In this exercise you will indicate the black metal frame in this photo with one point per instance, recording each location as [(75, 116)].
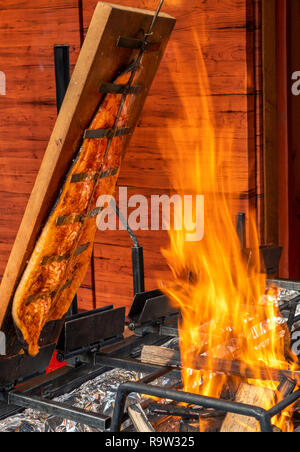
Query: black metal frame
[(262, 416), (37, 393), (117, 353)]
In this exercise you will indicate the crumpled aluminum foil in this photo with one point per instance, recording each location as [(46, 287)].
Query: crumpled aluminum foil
[(97, 395), (287, 295)]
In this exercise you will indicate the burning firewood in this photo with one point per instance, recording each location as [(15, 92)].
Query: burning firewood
[(247, 394), (257, 396), (250, 395), (139, 419), (161, 356), (165, 357)]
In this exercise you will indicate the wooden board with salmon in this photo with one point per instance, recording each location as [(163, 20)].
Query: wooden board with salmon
[(101, 108)]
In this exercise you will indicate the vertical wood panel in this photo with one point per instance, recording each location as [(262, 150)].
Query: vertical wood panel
[(293, 103), (270, 121), (282, 136)]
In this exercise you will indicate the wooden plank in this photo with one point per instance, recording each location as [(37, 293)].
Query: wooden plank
[(282, 137), (28, 32), (139, 419), (293, 110), (270, 142), (99, 61)]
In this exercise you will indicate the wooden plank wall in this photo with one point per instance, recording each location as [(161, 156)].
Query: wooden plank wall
[(27, 114), (28, 32), (232, 54)]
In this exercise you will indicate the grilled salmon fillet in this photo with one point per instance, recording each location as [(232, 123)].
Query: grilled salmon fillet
[(62, 253)]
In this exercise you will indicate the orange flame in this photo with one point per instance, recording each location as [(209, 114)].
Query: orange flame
[(226, 312)]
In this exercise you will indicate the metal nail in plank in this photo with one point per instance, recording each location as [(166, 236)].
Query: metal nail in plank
[(113, 88), (51, 294), (93, 213), (47, 260), (32, 298), (81, 249), (83, 177), (66, 285), (106, 133), (109, 173), (69, 219), (138, 44)]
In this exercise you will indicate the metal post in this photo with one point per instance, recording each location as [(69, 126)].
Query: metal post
[(241, 229), (62, 78), (62, 72), (137, 254), (138, 269)]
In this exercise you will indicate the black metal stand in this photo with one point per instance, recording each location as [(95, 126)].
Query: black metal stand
[(62, 79), (137, 254), (263, 416), (62, 72)]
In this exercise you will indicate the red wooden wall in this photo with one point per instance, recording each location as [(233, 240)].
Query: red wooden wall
[(231, 47)]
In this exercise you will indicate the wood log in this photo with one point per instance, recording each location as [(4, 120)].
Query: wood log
[(139, 419), (251, 395), (162, 356)]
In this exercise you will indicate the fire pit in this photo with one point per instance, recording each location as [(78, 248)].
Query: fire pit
[(142, 366)]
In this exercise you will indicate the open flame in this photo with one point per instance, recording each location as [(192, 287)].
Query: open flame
[(226, 311)]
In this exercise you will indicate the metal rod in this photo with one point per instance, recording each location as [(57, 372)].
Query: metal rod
[(208, 402), (62, 79), (125, 224), (62, 72), (155, 17), (182, 411), (137, 254), (241, 229), (131, 364), (138, 269), (289, 400), (157, 374), (59, 409)]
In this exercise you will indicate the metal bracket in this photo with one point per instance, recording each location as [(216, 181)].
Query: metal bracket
[(89, 328), (113, 88), (137, 44), (150, 308), (84, 177), (2, 343), (91, 134)]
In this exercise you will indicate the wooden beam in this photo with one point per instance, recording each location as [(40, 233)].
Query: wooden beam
[(139, 419), (270, 142)]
